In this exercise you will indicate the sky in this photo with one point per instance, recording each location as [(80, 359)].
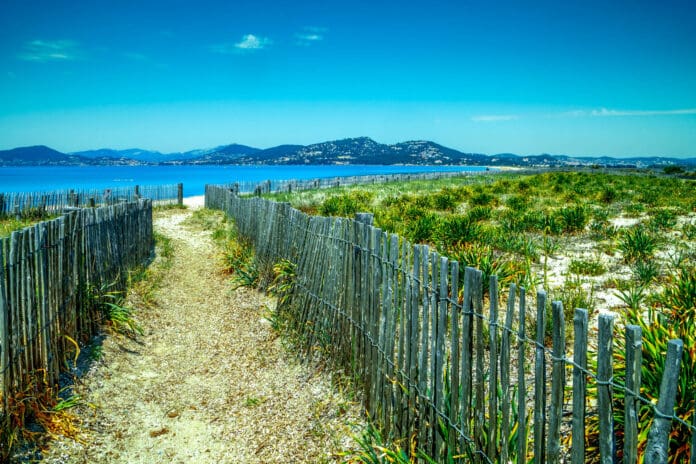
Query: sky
[(613, 78)]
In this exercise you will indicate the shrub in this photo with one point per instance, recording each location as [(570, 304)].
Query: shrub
[(480, 213), (590, 267), (663, 219), (573, 218), (608, 195), (573, 295), (422, 228), (458, 229), (484, 199), (636, 243), (671, 170), (347, 204), (517, 203), (485, 259), (445, 200), (646, 271)]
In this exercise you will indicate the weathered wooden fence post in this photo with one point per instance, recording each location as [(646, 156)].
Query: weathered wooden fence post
[(579, 384), (521, 383), (605, 373), (540, 381), (658, 437), (4, 335), (366, 218), (634, 361), (557, 384), (180, 194)]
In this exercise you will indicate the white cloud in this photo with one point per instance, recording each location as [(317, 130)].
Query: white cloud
[(249, 43), (604, 112), (310, 35), (252, 42), (47, 50), (494, 117)]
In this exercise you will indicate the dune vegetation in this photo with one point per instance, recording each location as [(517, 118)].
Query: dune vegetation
[(621, 242)]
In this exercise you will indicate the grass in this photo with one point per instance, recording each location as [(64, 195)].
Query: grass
[(10, 224), (514, 224), (238, 257)]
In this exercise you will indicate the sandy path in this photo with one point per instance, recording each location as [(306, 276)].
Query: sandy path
[(209, 382)]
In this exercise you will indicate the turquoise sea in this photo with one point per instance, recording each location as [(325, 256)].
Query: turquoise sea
[(194, 178)]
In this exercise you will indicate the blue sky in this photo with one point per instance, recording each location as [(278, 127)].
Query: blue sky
[(593, 77)]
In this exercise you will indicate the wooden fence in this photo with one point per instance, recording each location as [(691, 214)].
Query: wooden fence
[(296, 185), (46, 273), (39, 204), (434, 364)]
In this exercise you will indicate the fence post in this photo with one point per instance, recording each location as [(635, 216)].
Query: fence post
[(658, 437), (557, 384), (540, 381), (604, 391), (4, 336), (180, 194), (365, 218), (634, 361), (579, 384), (521, 383), (493, 370), (505, 375)]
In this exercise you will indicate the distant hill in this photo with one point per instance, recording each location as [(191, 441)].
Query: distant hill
[(359, 150), (38, 155), (363, 150)]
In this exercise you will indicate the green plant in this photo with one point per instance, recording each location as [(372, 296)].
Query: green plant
[(672, 317), (608, 195), (689, 230), (284, 274), (346, 204), (602, 230), (111, 303), (485, 259), (632, 295), (574, 295), (445, 200), (590, 267), (375, 449), (646, 271), (458, 229), (573, 218), (663, 219), (247, 274), (482, 213), (422, 228), (636, 243), (671, 170)]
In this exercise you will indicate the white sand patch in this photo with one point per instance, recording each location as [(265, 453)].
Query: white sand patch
[(195, 202)]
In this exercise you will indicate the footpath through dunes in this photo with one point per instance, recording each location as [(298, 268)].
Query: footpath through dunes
[(209, 381)]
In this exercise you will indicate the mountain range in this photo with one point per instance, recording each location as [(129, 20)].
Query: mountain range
[(361, 150)]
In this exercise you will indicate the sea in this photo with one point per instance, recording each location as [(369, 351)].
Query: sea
[(194, 178)]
